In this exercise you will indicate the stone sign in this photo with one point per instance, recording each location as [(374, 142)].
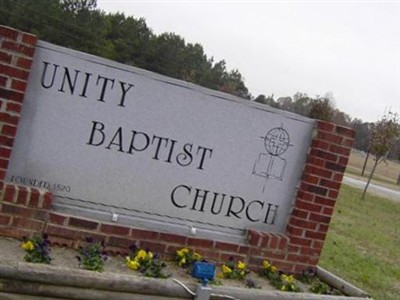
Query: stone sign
[(139, 147)]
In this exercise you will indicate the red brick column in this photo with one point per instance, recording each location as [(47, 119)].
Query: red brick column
[(316, 198), (300, 247), (16, 53)]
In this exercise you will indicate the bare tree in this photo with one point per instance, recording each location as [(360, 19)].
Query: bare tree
[(384, 135), (365, 164)]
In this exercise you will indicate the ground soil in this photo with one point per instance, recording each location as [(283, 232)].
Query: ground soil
[(12, 254)]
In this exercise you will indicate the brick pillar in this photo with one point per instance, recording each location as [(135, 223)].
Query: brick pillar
[(309, 222), (16, 53), (19, 215), (299, 248)]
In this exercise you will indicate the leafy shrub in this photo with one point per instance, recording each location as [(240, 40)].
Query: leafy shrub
[(37, 249), (269, 270), (145, 262), (287, 284), (92, 256), (232, 270), (277, 279), (186, 257)]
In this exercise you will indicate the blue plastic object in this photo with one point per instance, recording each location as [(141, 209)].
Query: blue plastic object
[(203, 270)]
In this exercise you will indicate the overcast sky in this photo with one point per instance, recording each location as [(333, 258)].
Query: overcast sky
[(350, 49)]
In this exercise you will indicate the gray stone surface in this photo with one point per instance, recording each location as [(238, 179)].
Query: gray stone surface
[(117, 139)]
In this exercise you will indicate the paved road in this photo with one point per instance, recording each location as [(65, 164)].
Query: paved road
[(373, 188)]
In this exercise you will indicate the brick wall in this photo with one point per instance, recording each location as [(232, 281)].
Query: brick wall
[(25, 211), (16, 53)]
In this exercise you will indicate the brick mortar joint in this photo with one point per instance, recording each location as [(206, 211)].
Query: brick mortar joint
[(11, 113), (20, 35), (22, 88), (320, 130), (7, 136), (329, 150), (42, 192), (27, 45), (14, 65), (8, 124), (19, 38), (8, 81), (14, 58), (3, 109)]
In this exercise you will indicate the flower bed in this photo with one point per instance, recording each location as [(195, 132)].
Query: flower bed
[(142, 262)]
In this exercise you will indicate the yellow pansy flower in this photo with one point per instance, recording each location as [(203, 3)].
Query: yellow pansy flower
[(226, 269), (182, 252), (132, 264), (182, 262), (150, 255), (266, 264), (287, 278), (241, 265), (28, 246), (273, 269), (197, 256), (141, 254)]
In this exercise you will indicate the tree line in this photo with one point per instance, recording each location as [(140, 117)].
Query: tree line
[(80, 25)]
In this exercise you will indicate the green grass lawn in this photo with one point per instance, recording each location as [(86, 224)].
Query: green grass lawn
[(363, 243)]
